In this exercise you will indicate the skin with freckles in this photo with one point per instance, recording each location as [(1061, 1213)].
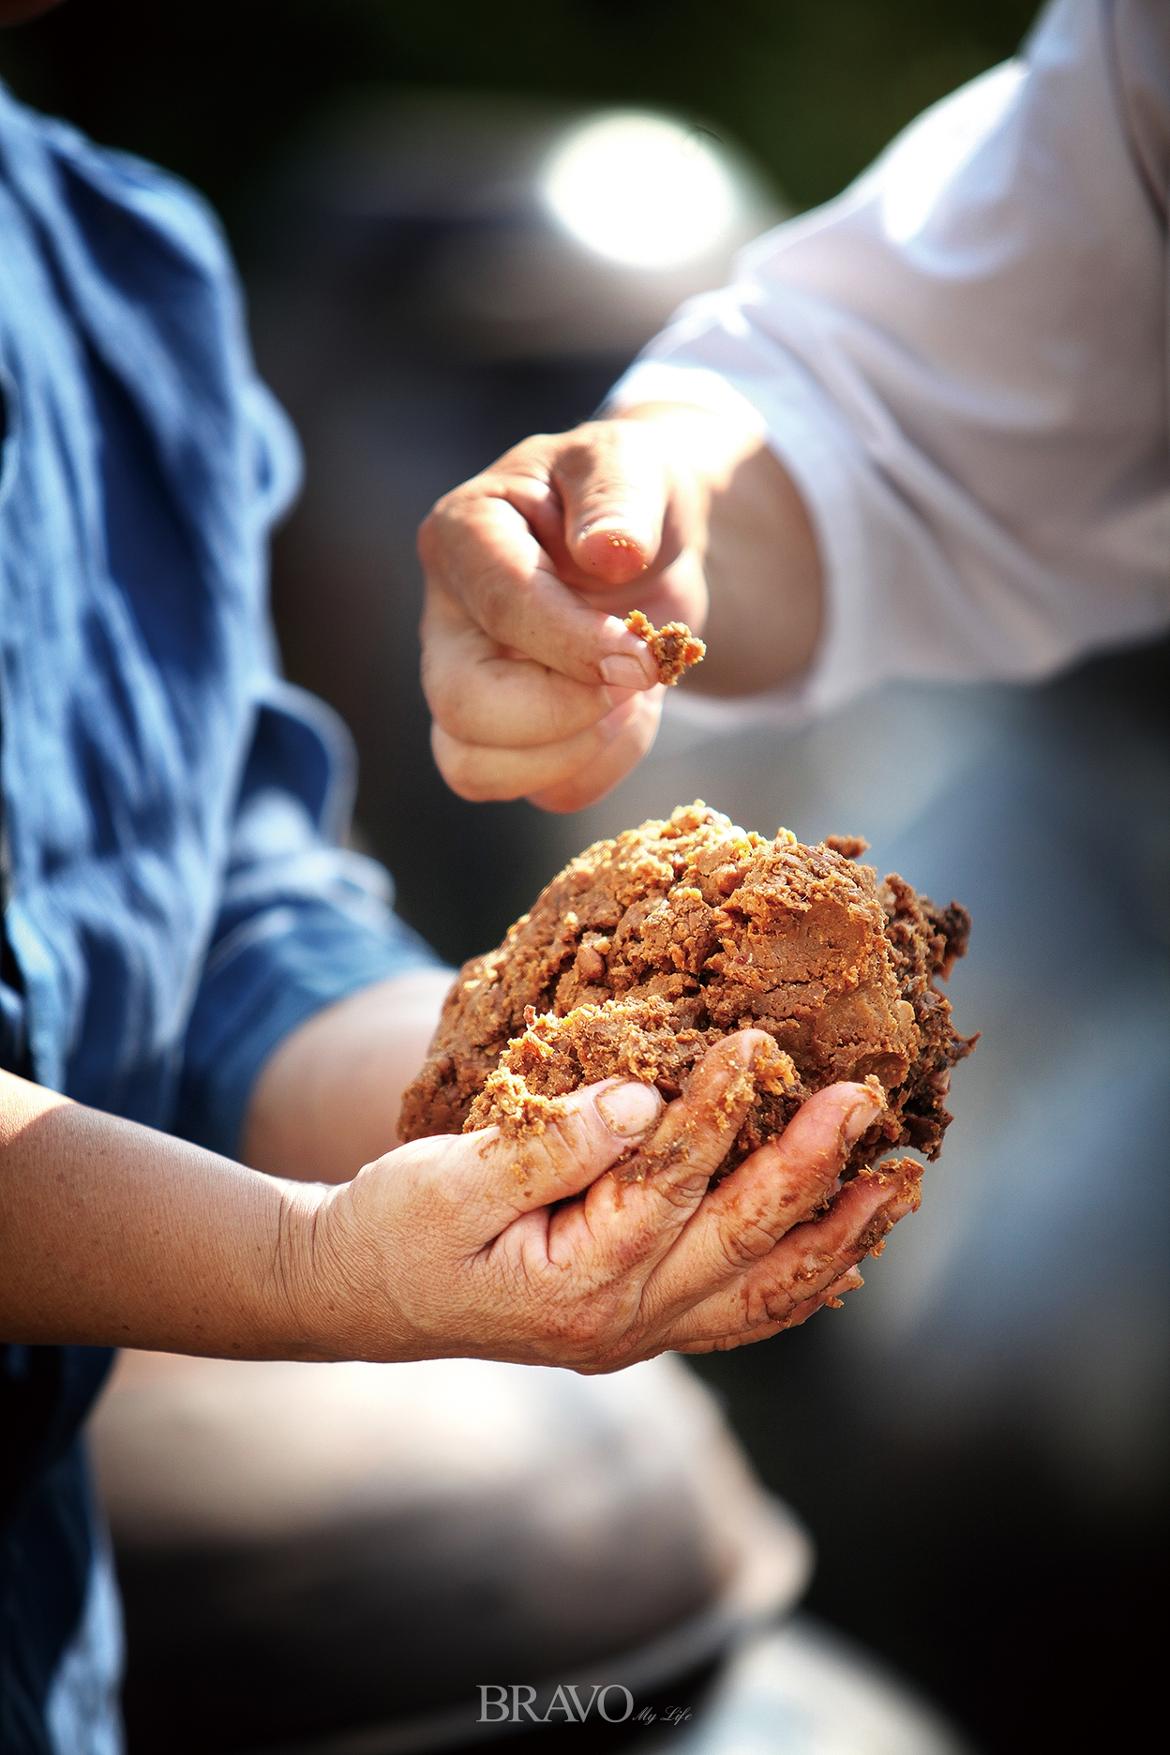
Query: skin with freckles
[(592, 1244), (521, 1250)]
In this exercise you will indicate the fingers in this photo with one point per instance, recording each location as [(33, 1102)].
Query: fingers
[(832, 1299), (481, 558), (614, 489), (636, 1216), (806, 1264), (527, 675), (480, 697), (496, 1174), (625, 750), (780, 1185), (610, 747)]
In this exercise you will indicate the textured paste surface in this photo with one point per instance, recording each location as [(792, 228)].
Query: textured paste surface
[(673, 647), (648, 948)]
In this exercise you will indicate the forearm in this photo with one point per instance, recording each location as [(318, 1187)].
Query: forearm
[(115, 1235), (327, 1101), (762, 565)]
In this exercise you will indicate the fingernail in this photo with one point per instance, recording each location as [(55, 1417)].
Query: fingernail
[(862, 1116), (752, 1045), (625, 670), (615, 526), (629, 1109), (905, 1204), (849, 1282)]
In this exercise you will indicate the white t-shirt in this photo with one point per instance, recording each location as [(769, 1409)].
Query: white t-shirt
[(963, 363)]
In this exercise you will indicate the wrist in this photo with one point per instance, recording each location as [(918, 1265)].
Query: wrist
[(337, 1254), (309, 1305)]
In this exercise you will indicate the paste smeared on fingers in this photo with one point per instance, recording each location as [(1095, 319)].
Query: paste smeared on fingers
[(649, 948)]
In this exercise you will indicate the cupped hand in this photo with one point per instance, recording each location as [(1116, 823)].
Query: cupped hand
[(536, 687), (600, 1241)]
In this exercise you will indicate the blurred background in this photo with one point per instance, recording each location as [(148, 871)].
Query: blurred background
[(443, 217)]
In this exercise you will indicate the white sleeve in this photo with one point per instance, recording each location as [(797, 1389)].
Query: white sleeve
[(962, 362)]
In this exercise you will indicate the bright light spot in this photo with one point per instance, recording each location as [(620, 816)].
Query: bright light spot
[(640, 190)]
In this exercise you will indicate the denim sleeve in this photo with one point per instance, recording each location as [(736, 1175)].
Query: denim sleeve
[(302, 922)]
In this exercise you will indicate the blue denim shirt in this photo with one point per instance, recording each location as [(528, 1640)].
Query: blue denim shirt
[(175, 900)]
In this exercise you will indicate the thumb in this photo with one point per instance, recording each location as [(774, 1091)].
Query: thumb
[(614, 492), (567, 1144)]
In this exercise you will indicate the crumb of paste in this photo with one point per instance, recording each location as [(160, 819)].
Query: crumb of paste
[(673, 647)]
